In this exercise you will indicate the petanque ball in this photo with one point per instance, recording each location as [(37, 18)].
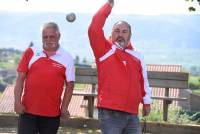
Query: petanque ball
[(71, 17)]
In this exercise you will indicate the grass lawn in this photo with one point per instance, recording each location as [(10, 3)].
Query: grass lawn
[(7, 65), (196, 91), (194, 82), (194, 79), (80, 86)]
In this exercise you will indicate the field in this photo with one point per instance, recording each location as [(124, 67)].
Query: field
[(197, 91), (194, 82)]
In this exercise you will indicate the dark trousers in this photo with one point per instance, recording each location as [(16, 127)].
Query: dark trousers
[(34, 124)]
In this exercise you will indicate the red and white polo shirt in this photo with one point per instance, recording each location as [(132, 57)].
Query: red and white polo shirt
[(45, 80)]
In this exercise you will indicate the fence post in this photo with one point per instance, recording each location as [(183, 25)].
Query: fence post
[(91, 102), (166, 105)]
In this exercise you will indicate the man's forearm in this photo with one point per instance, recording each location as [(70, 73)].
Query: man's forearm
[(18, 92), (18, 106), (19, 88), (111, 2), (95, 31), (67, 96), (99, 18)]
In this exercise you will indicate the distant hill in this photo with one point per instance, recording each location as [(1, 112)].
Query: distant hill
[(166, 39)]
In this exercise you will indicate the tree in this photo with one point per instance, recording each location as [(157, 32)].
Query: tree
[(77, 59), (191, 8), (31, 44), (2, 84), (16, 59), (84, 61)]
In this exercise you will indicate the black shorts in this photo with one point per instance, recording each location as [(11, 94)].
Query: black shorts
[(33, 124)]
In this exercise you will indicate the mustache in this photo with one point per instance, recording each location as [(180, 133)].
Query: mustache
[(120, 39), (53, 44)]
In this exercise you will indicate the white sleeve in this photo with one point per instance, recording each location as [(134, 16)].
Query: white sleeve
[(147, 98), (70, 71)]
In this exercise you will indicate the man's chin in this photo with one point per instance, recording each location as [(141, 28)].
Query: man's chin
[(122, 44), (50, 47)]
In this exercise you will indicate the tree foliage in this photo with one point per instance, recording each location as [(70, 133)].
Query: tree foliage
[(191, 8)]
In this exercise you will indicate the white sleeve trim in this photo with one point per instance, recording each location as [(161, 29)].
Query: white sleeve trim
[(37, 54), (64, 58), (108, 54), (147, 98)]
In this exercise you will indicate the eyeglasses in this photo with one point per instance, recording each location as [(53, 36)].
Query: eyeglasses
[(49, 37)]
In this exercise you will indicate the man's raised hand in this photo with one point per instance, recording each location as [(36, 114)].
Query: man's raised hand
[(111, 2)]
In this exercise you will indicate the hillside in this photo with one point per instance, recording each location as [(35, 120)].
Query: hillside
[(166, 39)]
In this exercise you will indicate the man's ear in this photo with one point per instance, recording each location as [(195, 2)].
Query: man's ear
[(110, 38), (130, 37), (59, 36)]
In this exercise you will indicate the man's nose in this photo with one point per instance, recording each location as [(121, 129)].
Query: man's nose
[(120, 34)]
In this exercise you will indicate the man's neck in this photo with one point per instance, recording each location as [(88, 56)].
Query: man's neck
[(50, 53), (119, 46)]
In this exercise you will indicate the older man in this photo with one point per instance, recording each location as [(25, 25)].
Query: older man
[(42, 74), (122, 76)]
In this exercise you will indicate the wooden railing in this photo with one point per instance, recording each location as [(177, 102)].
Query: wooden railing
[(165, 80)]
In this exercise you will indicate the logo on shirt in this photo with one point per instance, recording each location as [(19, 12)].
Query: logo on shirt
[(124, 62), (38, 54), (57, 65)]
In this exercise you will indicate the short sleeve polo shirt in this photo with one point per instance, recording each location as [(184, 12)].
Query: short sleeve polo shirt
[(45, 80)]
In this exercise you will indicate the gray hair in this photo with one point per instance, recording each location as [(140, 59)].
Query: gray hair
[(122, 21), (50, 25)]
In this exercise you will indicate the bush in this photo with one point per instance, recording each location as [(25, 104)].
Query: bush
[(195, 117), (175, 115), (2, 87), (194, 82), (193, 86), (192, 116)]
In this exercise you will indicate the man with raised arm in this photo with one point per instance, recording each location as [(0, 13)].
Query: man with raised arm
[(122, 76)]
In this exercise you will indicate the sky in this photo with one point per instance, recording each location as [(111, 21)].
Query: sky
[(148, 15), (141, 7)]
